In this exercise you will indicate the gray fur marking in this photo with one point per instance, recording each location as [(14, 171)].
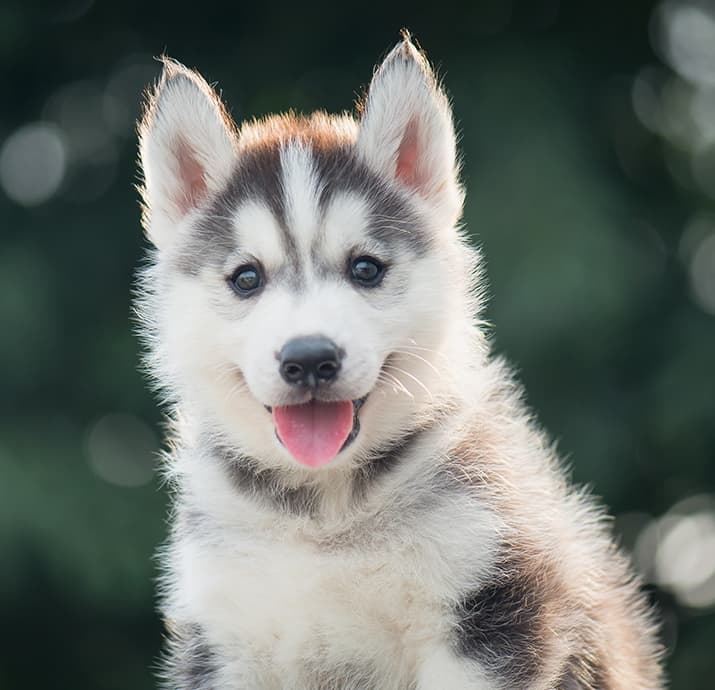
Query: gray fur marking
[(266, 484), (258, 175), (385, 460), (392, 220), (193, 664), (501, 625)]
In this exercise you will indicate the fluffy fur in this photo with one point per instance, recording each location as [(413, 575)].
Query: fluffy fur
[(443, 547)]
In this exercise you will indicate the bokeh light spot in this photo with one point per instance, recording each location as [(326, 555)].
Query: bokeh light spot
[(122, 449), (702, 274), (77, 108), (686, 37), (645, 96), (677, 551), (685, 558), (697, 229), (122, 96), (33, 163)]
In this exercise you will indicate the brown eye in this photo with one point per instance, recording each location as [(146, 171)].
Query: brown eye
[(367, 271), (246, 280)]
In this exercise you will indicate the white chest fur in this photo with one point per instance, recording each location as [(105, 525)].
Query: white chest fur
[(370, 604)]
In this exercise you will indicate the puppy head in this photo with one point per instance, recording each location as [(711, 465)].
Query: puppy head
[(306, 270)]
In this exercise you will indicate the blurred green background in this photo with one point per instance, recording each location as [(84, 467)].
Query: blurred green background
[(588, 131)]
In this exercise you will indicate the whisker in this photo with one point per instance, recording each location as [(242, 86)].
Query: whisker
[(412, 376), (396, 384), (422, 359), (414, 346), (238, 387), (428, 350)]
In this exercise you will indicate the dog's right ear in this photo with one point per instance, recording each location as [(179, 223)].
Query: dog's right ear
[(406, 130), (187, 149)]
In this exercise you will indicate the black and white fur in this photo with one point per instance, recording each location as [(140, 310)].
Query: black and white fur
[(444, 547)]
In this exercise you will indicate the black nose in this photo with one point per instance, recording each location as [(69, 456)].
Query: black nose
[(309, 360)]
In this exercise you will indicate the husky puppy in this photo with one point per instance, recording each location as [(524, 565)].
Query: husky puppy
[(361, 500)]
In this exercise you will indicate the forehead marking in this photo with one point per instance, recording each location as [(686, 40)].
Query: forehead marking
[(300, 187), (212, 238), (259, 232), (297, 181), (345, 221), (393, 219), (258, 175)]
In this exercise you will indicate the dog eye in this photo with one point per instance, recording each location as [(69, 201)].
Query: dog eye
[(245, 280), (367, 271)]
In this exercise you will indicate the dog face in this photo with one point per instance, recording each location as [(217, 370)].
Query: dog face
[(306, 268)]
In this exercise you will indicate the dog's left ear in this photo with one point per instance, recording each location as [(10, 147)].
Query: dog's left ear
[(406, 131), (187, 149)]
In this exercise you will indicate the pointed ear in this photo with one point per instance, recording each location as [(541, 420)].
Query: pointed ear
[(406, 130), (187, 149)]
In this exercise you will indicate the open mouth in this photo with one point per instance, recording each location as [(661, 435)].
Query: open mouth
[(316, 431)]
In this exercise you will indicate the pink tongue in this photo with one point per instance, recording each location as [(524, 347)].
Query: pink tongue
[(314, 432)]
